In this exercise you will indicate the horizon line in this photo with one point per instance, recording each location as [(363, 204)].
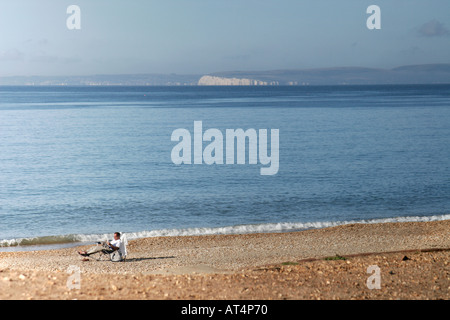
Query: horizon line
[(234, 71)]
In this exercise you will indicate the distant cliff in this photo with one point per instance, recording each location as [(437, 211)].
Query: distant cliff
[(414, 74), (223, 81)]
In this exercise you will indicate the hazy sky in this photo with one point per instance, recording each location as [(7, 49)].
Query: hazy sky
[(204, 36)]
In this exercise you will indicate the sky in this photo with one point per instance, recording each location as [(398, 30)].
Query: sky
[(206, 36)]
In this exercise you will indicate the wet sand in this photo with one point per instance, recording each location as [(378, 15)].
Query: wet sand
[(411, 262)]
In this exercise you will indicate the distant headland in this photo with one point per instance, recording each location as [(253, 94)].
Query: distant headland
[(410, 74)]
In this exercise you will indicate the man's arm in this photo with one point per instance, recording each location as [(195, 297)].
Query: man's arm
[(112, 246)]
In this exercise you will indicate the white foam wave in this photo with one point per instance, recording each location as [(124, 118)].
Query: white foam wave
[(259, 228), (238, 229)]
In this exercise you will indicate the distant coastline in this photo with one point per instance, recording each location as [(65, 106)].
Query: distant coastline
[(411, 74)]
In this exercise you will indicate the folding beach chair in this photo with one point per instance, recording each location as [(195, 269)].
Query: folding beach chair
[(108, 254), (102, 252)]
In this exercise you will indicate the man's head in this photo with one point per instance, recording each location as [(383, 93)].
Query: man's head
[(116, 235)]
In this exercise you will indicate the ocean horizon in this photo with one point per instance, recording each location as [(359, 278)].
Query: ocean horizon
[(79, 163)]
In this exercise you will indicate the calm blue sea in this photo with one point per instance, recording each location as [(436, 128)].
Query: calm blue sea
[(79, 163)]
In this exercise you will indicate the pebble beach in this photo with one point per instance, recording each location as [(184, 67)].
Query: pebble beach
[(412, 259)]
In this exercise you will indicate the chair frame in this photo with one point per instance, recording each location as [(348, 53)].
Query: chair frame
[(105, 255)]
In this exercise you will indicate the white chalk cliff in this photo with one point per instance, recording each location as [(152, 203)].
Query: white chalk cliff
[(221, 81)]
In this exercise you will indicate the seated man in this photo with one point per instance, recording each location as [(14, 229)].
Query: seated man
[(107, 247)]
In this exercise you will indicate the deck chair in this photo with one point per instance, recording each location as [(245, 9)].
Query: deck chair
[(102, 252)]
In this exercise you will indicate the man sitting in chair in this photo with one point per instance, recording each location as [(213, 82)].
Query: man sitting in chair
[(107, 246)]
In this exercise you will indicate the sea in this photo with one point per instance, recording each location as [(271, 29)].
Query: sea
[(78, 163)]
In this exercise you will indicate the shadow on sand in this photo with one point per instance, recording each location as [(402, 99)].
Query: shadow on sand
[(149, 258)]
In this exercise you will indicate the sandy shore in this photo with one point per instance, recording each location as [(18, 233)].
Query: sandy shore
[(412, 260)]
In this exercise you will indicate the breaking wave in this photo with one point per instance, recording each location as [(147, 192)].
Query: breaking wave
[(237, 229)]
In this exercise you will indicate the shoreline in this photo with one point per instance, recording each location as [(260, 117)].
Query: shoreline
[(72, 240), (160, 267)]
